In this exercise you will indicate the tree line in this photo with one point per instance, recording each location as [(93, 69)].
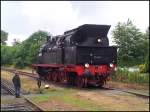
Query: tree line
[(22, 54), (133, 47)]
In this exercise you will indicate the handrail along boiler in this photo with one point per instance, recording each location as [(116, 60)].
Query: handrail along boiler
[(81, 56)]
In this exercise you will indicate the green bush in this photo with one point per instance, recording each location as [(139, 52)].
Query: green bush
[(147, 64), (123, 75), (142, 68)]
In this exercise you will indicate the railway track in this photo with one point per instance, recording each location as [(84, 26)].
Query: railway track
[(32, 75), (20, 104), (130, 92), (35, 76)]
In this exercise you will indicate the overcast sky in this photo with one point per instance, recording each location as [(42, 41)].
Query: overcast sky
[(21, 18)]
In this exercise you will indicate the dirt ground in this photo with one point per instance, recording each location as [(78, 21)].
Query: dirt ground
[(57, 105), (108, 99), (128, 85), (116, 101)]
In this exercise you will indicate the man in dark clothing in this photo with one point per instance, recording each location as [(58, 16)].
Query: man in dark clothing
[(39, 84), (17, 84)]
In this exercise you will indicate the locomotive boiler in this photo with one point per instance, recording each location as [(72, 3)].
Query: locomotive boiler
[(81, 56)]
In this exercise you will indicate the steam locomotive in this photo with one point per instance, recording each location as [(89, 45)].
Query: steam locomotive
[(81, 57)]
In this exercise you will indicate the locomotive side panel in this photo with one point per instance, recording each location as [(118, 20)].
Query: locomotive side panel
[(49, 58), (53, 56), (96, 55), (92, 55), (70, 55)]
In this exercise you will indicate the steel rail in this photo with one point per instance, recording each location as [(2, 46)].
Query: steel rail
[(36, 76), (127, 91), (12, 91)]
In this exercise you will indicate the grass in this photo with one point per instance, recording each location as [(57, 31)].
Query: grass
[(68, 97), (86, 104), (123, 75)]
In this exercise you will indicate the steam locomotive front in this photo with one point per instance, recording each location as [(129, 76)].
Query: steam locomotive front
[(93, 56)]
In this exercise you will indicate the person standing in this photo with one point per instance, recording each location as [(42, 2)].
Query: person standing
[(17, 84), (39, 84)]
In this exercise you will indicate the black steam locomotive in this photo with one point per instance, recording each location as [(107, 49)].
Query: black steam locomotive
[(80, 56)]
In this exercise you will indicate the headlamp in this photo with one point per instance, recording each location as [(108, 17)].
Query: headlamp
[(98, 40), (115, 68), (86, 65), (111, 65), (40, 54)]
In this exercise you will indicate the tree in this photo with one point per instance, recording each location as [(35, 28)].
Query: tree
[(4, 36), (28, 50), (6, 55), (147, 48), (132, 48), (24, 53)]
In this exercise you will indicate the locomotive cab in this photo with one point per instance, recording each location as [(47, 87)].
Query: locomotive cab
[(92, 35)]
